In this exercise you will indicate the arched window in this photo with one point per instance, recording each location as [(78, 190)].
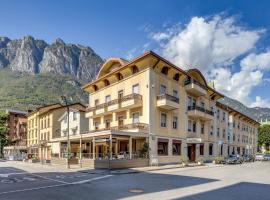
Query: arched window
[(176, 77), (106, 82), (135, 69), (165, 70), (95, 87), (119, 76)]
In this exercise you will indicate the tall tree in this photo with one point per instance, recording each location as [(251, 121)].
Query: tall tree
[(3, 131), (264, 136)]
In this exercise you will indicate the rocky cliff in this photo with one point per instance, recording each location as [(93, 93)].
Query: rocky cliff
[(36, 56)]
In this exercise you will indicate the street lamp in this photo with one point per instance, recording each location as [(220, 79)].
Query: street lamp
[(64, 99)]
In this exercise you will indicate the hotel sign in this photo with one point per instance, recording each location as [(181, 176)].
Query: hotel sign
[(194, 140)]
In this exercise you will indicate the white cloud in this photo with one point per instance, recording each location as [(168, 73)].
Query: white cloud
[(214, 45), (256, 61), (259, 102)]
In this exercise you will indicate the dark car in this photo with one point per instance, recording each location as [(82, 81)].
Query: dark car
[(266, 157), (248, 158), (234, 159)]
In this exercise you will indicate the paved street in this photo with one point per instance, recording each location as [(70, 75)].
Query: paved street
[(28, 181)]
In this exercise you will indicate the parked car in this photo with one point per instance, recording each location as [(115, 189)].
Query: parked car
[(259, 157), (234, 159), (248, 158), (266, 157)]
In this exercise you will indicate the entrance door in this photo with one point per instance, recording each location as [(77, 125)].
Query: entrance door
[(192, 152)]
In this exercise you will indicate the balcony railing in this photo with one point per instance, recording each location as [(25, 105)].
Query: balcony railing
[(190, 80), (201, 109), (140, 126), (168, 97), (116, 101)]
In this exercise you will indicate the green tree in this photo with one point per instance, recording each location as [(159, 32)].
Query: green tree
[(3, 131), (264, 136)]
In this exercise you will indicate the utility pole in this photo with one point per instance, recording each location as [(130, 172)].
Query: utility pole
[(68, 141)]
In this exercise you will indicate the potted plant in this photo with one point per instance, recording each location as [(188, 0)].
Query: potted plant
[(218, 160), (200, 160), (184, 161)]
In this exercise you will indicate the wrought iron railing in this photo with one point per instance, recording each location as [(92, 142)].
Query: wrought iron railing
[(116, 101), (209, 112), (168, 97)]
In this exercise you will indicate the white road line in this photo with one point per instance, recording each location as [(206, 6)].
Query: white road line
[(59, 185), (51, 179), (19, 173)]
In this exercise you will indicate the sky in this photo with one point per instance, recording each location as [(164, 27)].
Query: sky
[(227, 40)]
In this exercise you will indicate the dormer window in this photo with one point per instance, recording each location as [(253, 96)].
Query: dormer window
[(106, 82), (135, 69), (165, 70), (119, 76), (95, 87), (176, 77)]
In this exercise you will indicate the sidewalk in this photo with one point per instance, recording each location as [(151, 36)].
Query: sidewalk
[(38, 167)]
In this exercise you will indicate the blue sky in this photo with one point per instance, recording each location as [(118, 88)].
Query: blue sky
[(127, 28)]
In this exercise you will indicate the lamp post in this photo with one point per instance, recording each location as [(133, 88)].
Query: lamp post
[(64, 99)]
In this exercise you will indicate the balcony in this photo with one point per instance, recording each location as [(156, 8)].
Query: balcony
[(197, 112), (135, 127), (127, 102), (167, 102), (131, 101), (195, 88)]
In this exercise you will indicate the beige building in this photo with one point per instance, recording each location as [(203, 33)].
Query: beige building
[(43, 127), (150, 100)]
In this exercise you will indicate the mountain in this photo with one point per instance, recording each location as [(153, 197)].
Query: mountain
[(256, 113), (28, 91), (35, 56)]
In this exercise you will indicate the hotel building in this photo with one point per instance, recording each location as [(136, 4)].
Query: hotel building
[(151, 101)]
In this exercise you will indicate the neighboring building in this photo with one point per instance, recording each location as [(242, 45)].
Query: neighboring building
[(17, 124), (265, 121), (43, 127)]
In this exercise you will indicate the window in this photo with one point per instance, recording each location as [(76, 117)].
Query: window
[(136, 117), (163, 89), (75, 116), (224, 133), (107, 98), (175, 122), (96, 124), (135, 69), (202, 128), (176, 77), (165, 70), (218, 114), (120, 94), (119, 76), (210, 149), (120, 121), (96, 102), (74, 131), (202, 104), (175, 93), (224, 114), (163, 147), (191, 126), (221, 150), (176, 147), (191, 102), (163, 120), (108, 123), (135, 89), (201, 149), (234, 137), (218, 132), (106, 82)]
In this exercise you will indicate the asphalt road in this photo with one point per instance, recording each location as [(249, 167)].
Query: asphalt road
[(247, 181)]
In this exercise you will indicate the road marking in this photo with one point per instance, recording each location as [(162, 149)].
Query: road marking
[(51, 179), (57, 185), (19, 173)]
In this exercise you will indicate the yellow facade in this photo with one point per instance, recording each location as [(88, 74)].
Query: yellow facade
[(176, 108), (43, 126)]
